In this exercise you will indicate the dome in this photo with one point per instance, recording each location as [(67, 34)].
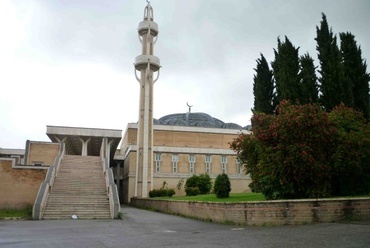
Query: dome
[(231, 126), (194, 120)]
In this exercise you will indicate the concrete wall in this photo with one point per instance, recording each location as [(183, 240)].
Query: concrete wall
[(42, 152), (283, 212), (19, 187)]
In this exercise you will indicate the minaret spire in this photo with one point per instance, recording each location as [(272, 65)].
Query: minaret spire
[(147, 64)]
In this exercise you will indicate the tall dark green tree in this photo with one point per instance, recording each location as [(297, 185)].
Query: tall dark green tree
[(356, 79), (285, 70), (263, 87), (330, 66), (309, 86)]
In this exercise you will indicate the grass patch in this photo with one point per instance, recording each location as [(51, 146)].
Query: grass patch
[(237, 197), (25, 213)]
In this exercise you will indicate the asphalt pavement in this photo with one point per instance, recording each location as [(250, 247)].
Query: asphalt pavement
[(142, 228)]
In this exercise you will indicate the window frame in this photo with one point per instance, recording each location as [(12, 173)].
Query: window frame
[(158, 160), (191, 163), (223, 164), (208, 161), (175, 161)]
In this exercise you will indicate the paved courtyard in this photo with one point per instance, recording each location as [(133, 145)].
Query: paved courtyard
[(140, 228)]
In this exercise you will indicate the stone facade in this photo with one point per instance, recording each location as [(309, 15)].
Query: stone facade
[(180, 152)]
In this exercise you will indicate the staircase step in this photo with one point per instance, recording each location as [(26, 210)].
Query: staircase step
[(78, 189)]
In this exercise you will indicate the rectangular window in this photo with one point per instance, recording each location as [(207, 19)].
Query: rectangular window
[(208, 164), (239, 166), (223, 163), (175, 161), (157, 159), (191, 163)]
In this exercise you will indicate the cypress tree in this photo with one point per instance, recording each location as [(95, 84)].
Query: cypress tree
[(263, 87), (356, 79), (309, 86), (330, 66), (285, 70)]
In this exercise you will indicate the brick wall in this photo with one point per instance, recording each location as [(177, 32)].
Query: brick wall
[(19, 187), (282, 212)]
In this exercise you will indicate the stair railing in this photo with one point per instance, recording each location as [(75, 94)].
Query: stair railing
[(46, 185), (111, 187)]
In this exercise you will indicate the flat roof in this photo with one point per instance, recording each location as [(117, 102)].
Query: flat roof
[(83, 131)]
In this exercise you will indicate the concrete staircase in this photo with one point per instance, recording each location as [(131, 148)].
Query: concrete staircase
[(78, 190)]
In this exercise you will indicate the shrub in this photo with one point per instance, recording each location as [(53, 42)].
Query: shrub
[(222, 186), (351, 166), (161, 193), (304, 152), (170, 192), (202, 182), (192, 191), (192, 181)]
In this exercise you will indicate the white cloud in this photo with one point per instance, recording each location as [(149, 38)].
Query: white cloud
[(71, 62)]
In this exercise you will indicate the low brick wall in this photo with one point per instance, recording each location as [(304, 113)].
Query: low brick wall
[(281, 212), (19, 186)]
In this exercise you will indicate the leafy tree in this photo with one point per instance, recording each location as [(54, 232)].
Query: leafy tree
[(263, 87), (351, 166), (356, 78), (222, 186), (285, 69), (287, 155), (307, 74), (331, 81), (305, 152)]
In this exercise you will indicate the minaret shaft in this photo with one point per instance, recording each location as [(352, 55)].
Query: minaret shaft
[(147, 64)]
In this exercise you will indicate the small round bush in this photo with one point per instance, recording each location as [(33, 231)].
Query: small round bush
[(192, 191), (192, 181), (222, 186), (202, 182), (170, 192)]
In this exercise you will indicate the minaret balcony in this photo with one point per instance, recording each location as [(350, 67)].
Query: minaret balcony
[(141, 62), (144, 26)]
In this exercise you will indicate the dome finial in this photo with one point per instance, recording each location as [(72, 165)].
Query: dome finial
[(187, 103)]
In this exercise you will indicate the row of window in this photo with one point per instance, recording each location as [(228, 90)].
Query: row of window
[(208, 161)]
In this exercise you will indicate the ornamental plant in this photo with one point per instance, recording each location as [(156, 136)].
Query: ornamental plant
[(202, 182), (222, 186), (288, 154), (351, 160)]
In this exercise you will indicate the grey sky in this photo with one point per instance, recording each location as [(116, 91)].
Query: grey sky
[(71, 62)]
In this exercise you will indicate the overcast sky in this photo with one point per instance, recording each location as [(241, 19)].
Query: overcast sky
[(70, 63)]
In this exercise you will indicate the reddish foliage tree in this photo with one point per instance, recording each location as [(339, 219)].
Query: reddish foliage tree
[(305, 152), (287, 155)]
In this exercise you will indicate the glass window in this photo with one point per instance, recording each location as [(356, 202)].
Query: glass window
[(239, 166), (175, 161), (157, 159), (191, 163), (223, 163), (208, 164)]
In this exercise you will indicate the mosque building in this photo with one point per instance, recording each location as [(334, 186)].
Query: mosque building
[(149, 154)]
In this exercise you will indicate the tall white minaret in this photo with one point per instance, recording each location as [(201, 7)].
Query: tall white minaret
[(146, 64)]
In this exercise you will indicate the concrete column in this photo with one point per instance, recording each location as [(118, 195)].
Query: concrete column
[(84, 146)]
